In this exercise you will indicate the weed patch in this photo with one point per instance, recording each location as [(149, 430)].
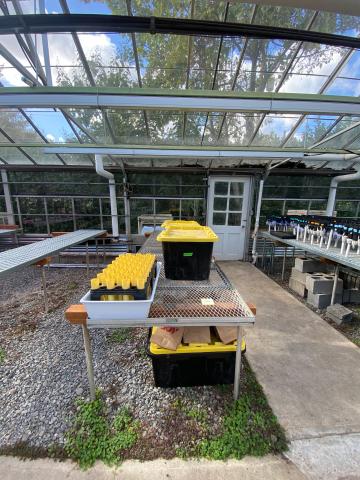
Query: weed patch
[(93, 437)]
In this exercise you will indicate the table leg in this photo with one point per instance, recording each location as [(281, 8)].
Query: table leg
[(263, 254), (89, 361), (335, 285), (87, 258), (237, 364), (97, 252), (43, 279), (283, 265)]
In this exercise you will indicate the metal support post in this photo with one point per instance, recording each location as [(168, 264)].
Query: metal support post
[(87, 258), (89, 361), (263, 253), (237, 363), (335, 285), (283, 265), (43, 279), (8, 203)]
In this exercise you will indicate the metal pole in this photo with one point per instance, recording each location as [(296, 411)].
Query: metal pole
[(237, 364), (257, 220), (335, 285), (87, 258), (43, 278), (8, 203), (283, 265), (89, 361)]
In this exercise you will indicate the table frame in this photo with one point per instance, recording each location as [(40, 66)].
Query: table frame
[(247, 319)]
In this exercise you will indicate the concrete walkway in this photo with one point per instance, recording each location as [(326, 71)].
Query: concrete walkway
[(309, 372), (250, 468)]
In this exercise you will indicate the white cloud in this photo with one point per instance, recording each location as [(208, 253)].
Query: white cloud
[(50, 137)]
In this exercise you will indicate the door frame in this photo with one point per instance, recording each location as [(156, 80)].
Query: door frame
[(249, 210)]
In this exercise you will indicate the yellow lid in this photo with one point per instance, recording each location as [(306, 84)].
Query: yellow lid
[(180, 224), (202, 234)]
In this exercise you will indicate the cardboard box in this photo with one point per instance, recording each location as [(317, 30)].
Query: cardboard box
[(167, 337), (196, 335), (228, 334)]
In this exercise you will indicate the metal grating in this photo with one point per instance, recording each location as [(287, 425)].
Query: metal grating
[(209, 302), (20, 257), (352, 261)]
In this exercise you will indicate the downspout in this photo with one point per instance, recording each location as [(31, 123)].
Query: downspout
[(99, 167), (333, 188)]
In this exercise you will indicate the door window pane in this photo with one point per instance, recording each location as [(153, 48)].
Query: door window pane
[(236, 188), (219, 218), (234, 219), (235, 204), (220, 203), (221, 188)]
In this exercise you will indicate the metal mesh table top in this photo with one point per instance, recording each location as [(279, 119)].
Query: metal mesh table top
[(29, 254), (352, 260), (214, 298)]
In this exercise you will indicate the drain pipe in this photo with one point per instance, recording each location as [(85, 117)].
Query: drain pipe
[(99, 167), (333, 188)]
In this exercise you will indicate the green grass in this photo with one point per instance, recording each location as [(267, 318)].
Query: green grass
[(120, 335), (2, 355), (92, 437), (249, 427)]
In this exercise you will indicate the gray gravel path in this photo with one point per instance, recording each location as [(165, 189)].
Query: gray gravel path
[(44, 368)]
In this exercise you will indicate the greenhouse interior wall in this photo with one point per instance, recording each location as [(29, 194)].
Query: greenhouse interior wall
[(45, 201)]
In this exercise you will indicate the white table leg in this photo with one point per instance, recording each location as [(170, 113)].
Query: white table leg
[(237, 364)]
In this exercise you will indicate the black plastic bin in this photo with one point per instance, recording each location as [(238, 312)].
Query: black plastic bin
[(187, 260), (192, 368), (187, 252)]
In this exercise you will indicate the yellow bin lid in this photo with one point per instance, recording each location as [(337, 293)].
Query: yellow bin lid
[(180, 224), (202, 234)]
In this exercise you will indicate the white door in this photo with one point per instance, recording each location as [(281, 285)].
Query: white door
[(228, 215)]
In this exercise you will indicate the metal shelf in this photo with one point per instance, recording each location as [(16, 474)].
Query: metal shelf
[(28, 254), (351, 261)]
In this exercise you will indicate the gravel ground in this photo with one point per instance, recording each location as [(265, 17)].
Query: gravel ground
[(44, 371)]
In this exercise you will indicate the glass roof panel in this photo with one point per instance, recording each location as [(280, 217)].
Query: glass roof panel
[(311, 130), (282, 16), (165, 127), (128, 126), (344, 86), (110, 58), (344, 122), (297, 83), (42, 158), (343, 139), (318, 59), (92, 121), (337, 23), (263, 64), (17, 127), (238, 129), (66, 66), (158, 67), (76, 159), (52, 125), (274, 129), (213, 125), (230, 52), (14, 156)]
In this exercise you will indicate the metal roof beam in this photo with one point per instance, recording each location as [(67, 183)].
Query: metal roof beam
[(54, 97), (57, 23)]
